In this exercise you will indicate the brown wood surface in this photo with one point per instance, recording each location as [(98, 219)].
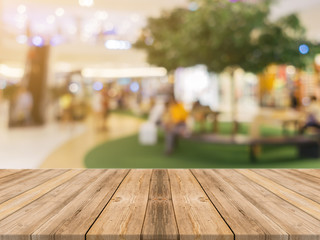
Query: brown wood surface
[(160, 222), (110, 204)]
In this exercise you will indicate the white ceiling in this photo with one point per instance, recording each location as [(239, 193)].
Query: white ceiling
[(145, 7), (81, 54)]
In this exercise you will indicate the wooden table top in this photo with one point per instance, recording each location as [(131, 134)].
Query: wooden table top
[(159, 204)]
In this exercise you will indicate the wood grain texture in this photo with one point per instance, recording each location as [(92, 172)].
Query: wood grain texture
[(196, 217), (309, 206), (243, 217), (303, 184), (109, 204), (74, 219), (297, 223), (6, 172), (160, 222), (14, 176), (18, 185), (124, 215), (312, 172), (21, 224), (10, 206)]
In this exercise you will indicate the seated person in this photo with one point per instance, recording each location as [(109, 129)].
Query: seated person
[(199, 115), (174, 120), (313, 115)]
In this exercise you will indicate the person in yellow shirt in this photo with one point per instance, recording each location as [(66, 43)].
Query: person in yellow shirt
[(175, 123), (313, 115)]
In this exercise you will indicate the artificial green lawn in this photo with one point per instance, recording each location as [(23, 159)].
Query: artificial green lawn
[(128, 153)]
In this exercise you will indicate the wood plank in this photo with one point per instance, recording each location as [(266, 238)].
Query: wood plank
[(196, 217), (160, 223), (243, 217), (123, 217), (297, 223), (309, 206), (75, 219), (23, 223), (6, 172), (304, 177), (295, 181), (18, 202), (312, 172), (19, 185), (15, 176)]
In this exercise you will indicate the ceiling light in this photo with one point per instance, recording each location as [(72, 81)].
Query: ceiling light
[(21, 9), (117, 45), (59, 12), (11, 72), (123, 72), (86, 3)]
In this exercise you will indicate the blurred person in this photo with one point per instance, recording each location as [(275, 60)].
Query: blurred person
[(105, 104), (174, 120), (23, 107), (199, 114), (65, 103), (313, 115), (294, 100)]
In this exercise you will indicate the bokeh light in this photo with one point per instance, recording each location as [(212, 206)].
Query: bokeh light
[(21, 9), (59, 12), (97, 86), (117, 45), (304, 49), (74, 88), (134, 87), (86, 3), (38, 41)]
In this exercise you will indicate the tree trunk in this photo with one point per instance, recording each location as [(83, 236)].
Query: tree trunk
[(233, 104)]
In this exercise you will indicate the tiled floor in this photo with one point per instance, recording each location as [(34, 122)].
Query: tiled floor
[(27, 147), (58, 146)]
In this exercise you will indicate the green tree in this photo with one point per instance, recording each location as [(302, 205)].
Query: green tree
[(225, 35)]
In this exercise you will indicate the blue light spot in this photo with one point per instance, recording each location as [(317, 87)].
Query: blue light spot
[(37, 41), (97, 86), (304, 49), (134, 87)]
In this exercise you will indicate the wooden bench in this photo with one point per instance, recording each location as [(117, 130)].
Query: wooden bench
[(307, 147), (204, 204)]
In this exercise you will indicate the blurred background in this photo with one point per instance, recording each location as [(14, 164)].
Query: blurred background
[(159, 84)]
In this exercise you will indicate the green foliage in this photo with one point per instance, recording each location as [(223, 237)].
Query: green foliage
[(223, 34), (162, 39)]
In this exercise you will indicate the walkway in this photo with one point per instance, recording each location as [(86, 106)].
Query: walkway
[(27, 147), (72, 153)]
